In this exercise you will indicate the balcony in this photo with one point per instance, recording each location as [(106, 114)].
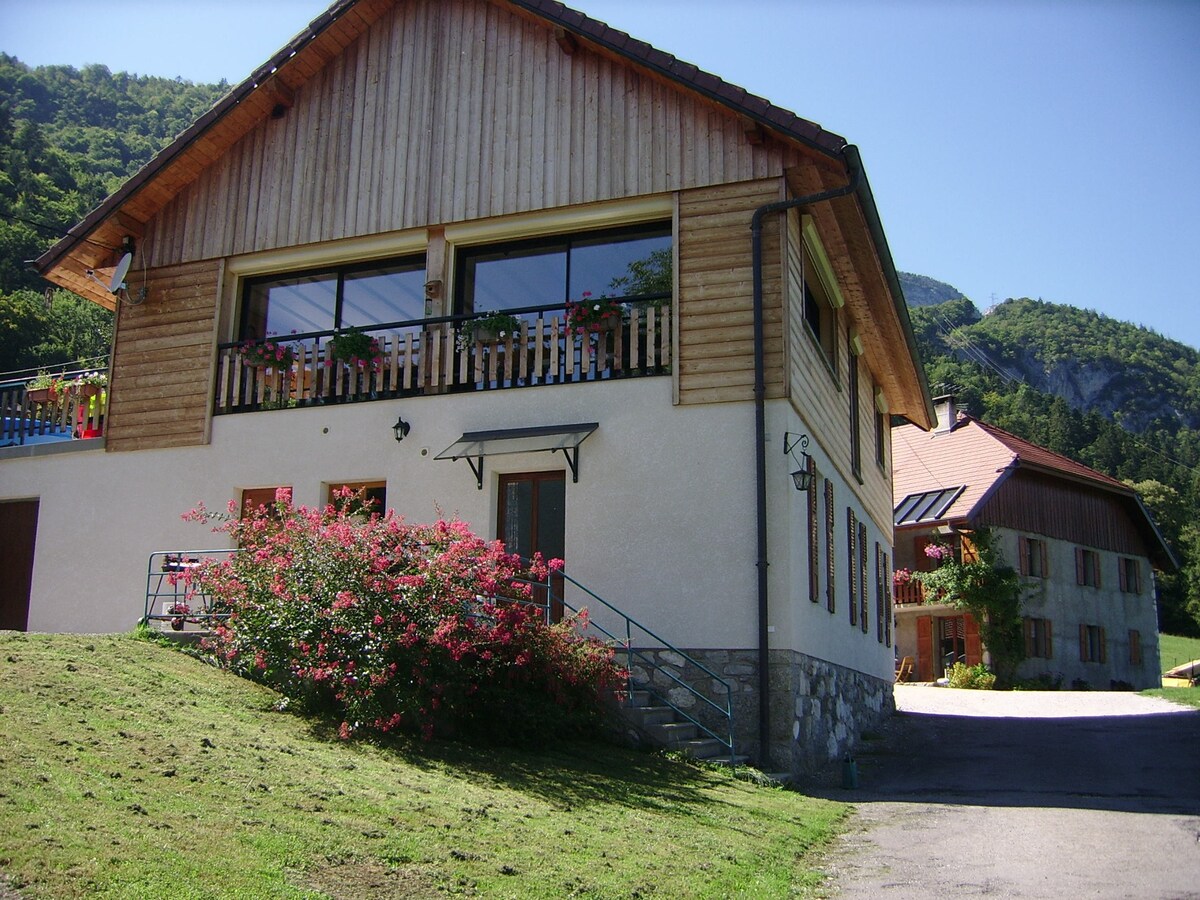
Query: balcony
[(446, 355), (908, 594), (73, 412)]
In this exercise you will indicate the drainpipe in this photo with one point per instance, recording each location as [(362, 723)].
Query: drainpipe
[(850, 156)]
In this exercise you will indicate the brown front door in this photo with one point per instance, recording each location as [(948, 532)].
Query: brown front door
[(532, 519), (18, 530)]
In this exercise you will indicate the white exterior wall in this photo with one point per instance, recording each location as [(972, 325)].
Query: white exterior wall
[(1067, 605), (798, 622), (660, 523)]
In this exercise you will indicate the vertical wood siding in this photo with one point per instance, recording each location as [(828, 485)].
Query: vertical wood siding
[(446, 111), (822, 398), (163, 360), (1063, 510)]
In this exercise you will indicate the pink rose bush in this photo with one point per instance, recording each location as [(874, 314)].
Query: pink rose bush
[(392, 627)]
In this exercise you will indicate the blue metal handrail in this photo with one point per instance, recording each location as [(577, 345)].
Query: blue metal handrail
[(167, 588)]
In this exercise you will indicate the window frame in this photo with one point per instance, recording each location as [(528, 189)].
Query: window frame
[(409, 262), (1039, 637), (1033, 556), (1087, 567), (463, 305), (1093, 643), (1129, 566)]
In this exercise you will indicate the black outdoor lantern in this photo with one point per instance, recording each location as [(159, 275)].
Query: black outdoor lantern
[(400, 429), (802, 477)]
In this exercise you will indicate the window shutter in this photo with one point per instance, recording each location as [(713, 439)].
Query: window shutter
[(1045, 560), (1135, 647), (1083, 643), (1049, 639), (1136, 568), (1122, 575), (1023, 555), (970, 553), (1028, 638), (1103, 646), (1096, 571), (1080, 575)]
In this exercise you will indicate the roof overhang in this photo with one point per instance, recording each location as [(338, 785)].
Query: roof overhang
[(473, 446)]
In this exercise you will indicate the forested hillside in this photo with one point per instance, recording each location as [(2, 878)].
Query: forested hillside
[(68, 138), (1117, 397)]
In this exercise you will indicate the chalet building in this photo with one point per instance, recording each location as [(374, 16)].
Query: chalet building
[(1083, 544), (420, 170)]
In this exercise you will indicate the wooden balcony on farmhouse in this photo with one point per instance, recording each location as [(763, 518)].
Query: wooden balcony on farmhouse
[(448, 355), (70, 411), (908, 594)]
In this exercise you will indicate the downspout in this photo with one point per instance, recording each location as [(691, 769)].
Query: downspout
[(850, 156)]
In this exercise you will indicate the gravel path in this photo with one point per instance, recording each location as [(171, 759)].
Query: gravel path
[(1040, 794)]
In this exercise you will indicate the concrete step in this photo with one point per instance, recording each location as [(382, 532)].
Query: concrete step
[(701, 748), (671, 734)]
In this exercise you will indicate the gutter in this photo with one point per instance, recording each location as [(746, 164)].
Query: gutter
[(854, 164)]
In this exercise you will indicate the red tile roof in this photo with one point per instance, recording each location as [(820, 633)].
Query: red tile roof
[(979, 456)]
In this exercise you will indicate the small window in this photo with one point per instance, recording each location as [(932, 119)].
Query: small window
[(1130, 573), (1033, 557), (1038, 639), (1087, 567), (881, 438), (1135, 647), (368, 497), (1092, 644), (820, 316), (253, 498)]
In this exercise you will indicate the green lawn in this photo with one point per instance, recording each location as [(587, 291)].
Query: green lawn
[(1174, 650), (131, 770), (1188, 696)]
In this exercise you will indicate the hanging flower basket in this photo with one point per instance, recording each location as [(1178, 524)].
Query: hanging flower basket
[(268, 354), (355, 348), (592, 316)]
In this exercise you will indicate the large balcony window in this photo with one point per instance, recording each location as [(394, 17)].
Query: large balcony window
[(293, 326)]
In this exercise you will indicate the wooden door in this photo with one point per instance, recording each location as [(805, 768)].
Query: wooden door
[(925, 648), (532, 519), (18, 532), (974, 644)]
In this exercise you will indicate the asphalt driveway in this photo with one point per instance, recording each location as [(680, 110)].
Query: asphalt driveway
[(1032, 794)]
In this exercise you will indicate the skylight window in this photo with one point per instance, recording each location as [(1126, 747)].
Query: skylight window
[(928, 506)]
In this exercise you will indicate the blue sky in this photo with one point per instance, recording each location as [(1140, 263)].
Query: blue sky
[(1041, 148)]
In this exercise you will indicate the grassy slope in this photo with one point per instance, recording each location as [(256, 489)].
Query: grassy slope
[(1174, 650), (130, 770)]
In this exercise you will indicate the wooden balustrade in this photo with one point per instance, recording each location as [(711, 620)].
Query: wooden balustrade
[(77, 415), (441, 359), (910, 593)]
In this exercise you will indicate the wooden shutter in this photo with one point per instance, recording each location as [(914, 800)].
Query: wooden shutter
[(1049, 638), (1122, 575), (925, 648), (1045, 559), (1135, 647), (814, 535), (1023, 555), (1028, 627), (1083, 644), (1080, 574), (1096, 571), (1103, 646), (974, 645), (862, 575), (852, 569)]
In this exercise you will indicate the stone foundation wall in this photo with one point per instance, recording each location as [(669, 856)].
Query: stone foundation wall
[(819, 710)]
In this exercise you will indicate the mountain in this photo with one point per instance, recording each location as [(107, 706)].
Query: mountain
[(921, 290)]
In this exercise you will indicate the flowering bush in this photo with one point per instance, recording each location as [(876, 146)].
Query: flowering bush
[(590, 315), (268, 354), (940, 553), (354, 347), (398, 627)]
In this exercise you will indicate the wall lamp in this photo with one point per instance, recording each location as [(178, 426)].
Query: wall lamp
[(401, 429), (802, 478)]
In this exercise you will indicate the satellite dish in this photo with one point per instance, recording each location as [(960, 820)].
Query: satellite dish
[(118, 276)]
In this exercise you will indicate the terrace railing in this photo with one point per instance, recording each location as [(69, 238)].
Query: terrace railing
[(445, 355), (32, 417)]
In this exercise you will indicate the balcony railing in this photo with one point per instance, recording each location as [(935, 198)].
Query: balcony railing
[(445, 355), (36, 417), (912, 592)]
